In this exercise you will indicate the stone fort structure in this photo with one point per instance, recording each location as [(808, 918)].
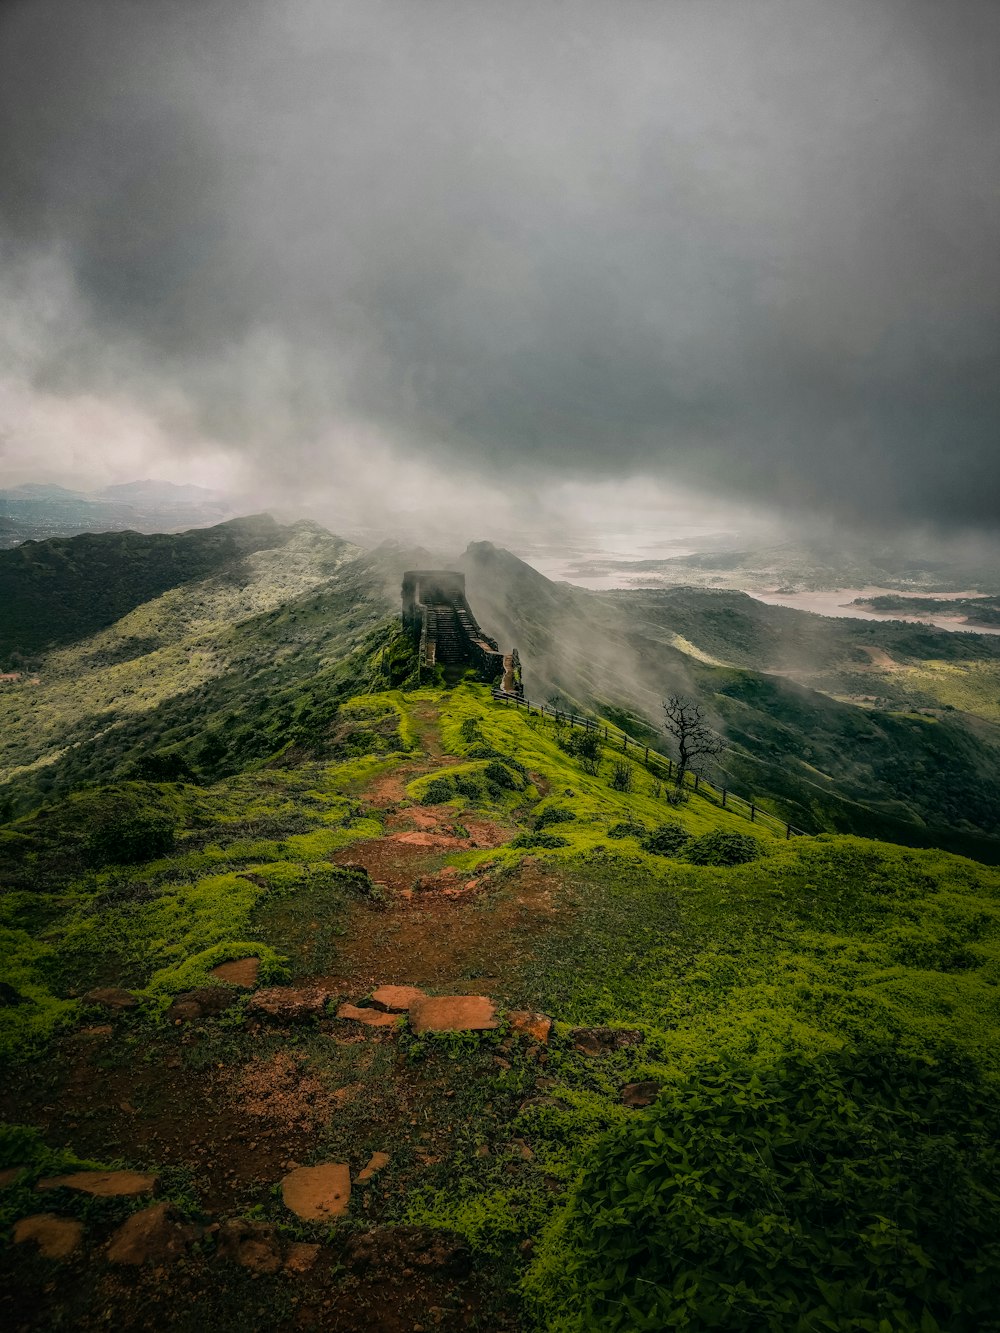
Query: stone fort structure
[(438, 617)]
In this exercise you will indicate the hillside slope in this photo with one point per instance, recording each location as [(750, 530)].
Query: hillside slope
[(814, 1021), (928, 777)]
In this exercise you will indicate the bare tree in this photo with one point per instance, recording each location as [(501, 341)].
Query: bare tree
[(684, 720)]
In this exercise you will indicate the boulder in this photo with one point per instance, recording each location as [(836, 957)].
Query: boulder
[(300, 1257), (640, 1094), (536, 1026), (55, 1237), (104, 1184), (407, 1248), (373, 1018), (112, 997), (396, 999), (453, 1013), (318, 1193), (157, 1234), (602, 1041), (9, 1174), (288, 1005)]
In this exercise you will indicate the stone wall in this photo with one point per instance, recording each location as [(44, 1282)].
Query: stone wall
[(438, 617)]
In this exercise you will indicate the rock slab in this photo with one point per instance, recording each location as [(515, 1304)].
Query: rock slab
[(238, 972), (375, 1163), (396, 999), (536, 1026), (640, 1094), (156, 1234), (318, 1193), (283, 1002), (56, 1237), (373, 1018), (453, 1013), (104, 1184)]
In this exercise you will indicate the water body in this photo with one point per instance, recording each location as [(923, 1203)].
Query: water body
[(838, 603)]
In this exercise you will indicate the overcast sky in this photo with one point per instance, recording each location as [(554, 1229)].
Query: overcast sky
[(745, 249)]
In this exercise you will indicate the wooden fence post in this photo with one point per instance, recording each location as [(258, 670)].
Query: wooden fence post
[(753, 812), (723, 798)]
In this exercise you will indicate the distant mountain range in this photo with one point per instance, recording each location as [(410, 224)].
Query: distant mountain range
[(36, 511)]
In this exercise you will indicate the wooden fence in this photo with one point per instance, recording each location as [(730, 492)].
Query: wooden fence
[(659, 765)]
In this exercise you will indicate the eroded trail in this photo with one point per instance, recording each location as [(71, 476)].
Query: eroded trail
[(227, 1104)]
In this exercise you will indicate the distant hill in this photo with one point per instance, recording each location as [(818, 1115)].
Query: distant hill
[(58, 591), (35, 510)]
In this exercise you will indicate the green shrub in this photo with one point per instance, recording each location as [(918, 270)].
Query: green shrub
[(470, 785), (666, 839), (859, 1191), (554, 814), (501, 776), (437, 791), (540, 840), (128, 838), (622, 775), (627, 828), (721, 848)]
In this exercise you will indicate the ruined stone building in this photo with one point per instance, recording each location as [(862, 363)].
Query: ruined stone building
[(437, 614)]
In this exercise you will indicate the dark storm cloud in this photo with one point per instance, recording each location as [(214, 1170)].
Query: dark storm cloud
[(752, 246)]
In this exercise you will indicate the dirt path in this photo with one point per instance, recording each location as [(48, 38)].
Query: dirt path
[(226, 1112)]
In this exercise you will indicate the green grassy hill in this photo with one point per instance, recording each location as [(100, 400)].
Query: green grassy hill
[(871, 750), (769, 1098)]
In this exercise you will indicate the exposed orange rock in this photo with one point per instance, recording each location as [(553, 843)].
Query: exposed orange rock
[(375, 1163), (111, 997), (537, 1026), (301, 1256), (373, 1018), (104, 1184), (156, 1234), (238, 972), (283, 1002), (396, 999), (318, 1193), (55, 1237), (453, 1013)]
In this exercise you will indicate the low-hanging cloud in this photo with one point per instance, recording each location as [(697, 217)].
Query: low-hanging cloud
[(752, 248)]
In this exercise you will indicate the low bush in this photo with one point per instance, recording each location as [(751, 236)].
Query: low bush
[(437, 791), (721, 848), (667, 839), (500, 775), (554, 814), (627, 828), (622, 776), (856, 1191), (550, 840)]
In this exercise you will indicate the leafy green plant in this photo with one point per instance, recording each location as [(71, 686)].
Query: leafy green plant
[(622, 776), (721, 847), (856, 1191), (553, 814), (549, 840), (667, 839), (627, 828)]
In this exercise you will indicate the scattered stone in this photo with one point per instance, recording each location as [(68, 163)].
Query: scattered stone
[(523, 1150), (238, 972), (205, 1002), (56, 1237), (96, 1032), (407, 1248), (112, 997), (640, 1094), (252, 1245), (9, 1174), (156, 1234), (104, 1184), (602, 1041), (536, 1026), (317, 1193), (290, 1005), (373, 1018), (453, 1013), (375, 1163), (301, 1256), (396, 999)]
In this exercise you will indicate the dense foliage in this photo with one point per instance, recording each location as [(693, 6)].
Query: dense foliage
[(853, 1191)]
